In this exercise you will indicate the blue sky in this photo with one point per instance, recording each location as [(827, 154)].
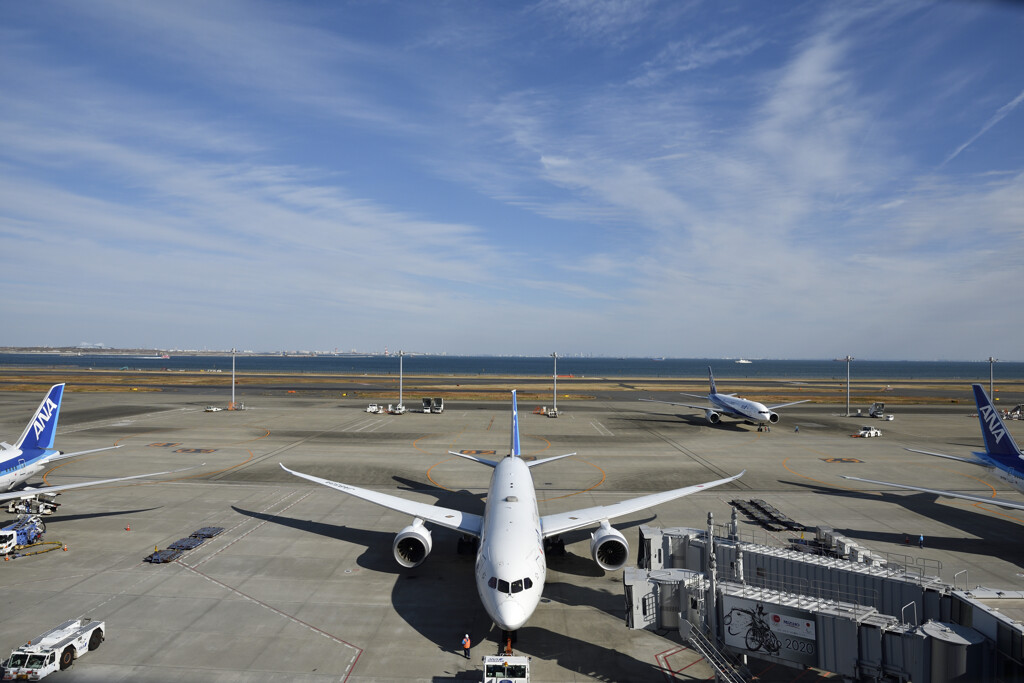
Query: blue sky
[(686, 179)]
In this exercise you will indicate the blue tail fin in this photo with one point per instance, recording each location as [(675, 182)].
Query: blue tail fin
[(711, 380), (514, 448), (39, 433), (999, 445)]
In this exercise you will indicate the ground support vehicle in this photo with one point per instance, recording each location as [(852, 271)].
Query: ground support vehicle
[(27, 530), (868, 431), (55, 649), (506, 669)]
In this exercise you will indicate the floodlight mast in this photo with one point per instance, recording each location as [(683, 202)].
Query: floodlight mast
[(554, 377), (847, 360), (991, 363), (400, 355)]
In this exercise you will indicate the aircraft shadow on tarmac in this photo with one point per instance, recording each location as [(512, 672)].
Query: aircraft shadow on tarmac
[(581, 656), (988, 531), (466, 501), (96, 515), (726, 425)]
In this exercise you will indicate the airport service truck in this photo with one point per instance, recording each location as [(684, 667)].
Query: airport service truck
[(56, 649), (506, 669), (27, 530)]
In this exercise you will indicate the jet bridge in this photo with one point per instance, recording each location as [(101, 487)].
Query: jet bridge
[(865, 621)]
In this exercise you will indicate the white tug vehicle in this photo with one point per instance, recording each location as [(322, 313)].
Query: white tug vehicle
[(56, 649)]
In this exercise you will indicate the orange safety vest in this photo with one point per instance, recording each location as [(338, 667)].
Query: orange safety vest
[(465, 643)]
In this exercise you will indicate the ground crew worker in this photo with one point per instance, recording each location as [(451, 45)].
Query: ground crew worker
[(920, 541), (466, 643)]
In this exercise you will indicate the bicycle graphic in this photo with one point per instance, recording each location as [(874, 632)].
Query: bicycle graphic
[(759, 635)]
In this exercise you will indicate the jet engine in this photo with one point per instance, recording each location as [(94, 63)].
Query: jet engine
[(412, 544), (773, 417), (713, 417), (609, 548)]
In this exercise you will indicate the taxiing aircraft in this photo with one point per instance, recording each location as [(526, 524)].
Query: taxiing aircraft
[(34, 451), (510, 563), (1001, 455), (732, 405)]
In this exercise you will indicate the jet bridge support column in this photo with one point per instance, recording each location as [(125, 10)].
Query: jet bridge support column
[(712, 610)]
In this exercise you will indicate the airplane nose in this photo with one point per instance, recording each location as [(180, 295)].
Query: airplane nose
[(511, 615)]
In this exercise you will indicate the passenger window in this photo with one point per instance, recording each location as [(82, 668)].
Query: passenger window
[(517, 586)]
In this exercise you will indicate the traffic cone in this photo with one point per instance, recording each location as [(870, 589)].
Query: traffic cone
[(65, 547), (129, 527)]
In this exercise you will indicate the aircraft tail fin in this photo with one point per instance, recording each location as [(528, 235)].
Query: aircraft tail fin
[(42, 428), (711, 381), (514, 447), (999, 444)]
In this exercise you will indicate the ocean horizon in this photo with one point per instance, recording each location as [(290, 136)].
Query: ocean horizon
[(573, 366)]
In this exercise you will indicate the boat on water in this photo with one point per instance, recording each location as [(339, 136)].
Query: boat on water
[(744, 361)]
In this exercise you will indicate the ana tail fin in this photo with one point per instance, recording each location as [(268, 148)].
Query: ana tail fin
[(711, 380), (514, 447), (999, 445), (41, 430)]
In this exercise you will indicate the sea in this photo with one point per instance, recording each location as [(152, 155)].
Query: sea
[(569, 366)]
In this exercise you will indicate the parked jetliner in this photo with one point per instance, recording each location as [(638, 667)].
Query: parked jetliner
[(732, 406), (1001, 455), (510, 564), (34, 451)]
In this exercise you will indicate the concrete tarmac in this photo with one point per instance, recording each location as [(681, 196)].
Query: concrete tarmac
[(302, 584)]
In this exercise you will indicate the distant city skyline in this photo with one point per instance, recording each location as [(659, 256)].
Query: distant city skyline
[(643, 179)]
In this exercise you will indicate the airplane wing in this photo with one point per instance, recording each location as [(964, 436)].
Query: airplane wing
[(552, 525), (27, 493), (672, 403), (783, 405), (973, 461), (465, 522), (61, 456), (1001, 502)]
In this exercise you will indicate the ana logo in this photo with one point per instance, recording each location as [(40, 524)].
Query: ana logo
[(43, 416), (988, 414)]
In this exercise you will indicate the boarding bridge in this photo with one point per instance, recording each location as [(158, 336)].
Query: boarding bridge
[(861, 621)]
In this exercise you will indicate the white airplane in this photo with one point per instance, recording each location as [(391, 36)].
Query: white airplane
[(510, 563), (1001, 455), (732, 405), (34, 451)]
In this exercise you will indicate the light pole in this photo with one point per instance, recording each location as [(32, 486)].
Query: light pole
[(232, 378), (400, 355), (847, 359), (991, 363), (554, 377)]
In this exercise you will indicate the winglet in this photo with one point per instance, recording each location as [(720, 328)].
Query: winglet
[(514, 447), (42, 428), (999, 444)]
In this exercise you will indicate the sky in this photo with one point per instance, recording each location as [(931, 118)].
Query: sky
[(606, 177)]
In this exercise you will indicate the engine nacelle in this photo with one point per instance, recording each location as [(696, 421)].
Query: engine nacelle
[(609, 548), (713, 417), (773, 417), (412, 544)]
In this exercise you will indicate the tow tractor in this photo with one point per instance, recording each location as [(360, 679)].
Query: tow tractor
[(56, 649), (27, 530), (506, 667)]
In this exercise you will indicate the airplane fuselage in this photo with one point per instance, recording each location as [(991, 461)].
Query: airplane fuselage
[(742, 408), (17, 467), (510, 563), (1005, 474)]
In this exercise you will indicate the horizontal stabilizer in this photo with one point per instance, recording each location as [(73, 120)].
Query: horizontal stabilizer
[(555, 457), (474, 458)]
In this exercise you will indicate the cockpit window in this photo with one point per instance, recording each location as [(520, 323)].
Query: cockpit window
[(492, 582), (527, 583), (517, 586), (502, 586)]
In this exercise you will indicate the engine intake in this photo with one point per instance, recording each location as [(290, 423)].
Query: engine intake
[(412, 544), (609, 548), (773, 417), (713, 417)]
